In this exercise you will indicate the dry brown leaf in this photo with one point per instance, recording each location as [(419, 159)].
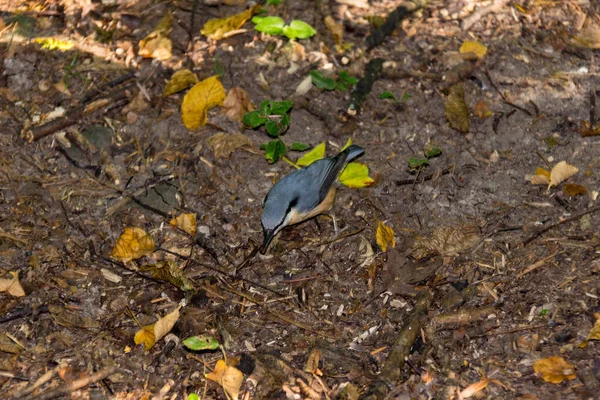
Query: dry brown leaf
[(180, 80), (572, 189), (594, 332), (157, 44), (312, 364), (446, 241), (134, 243), (588, 38), (384, 236), (237, 103), (470, 46), (145, 336), (457, 112), (187, 222), (336, 29), (203, 96), (561, 172), (474, 388), (219, 28), (224, 144), (554, 369), (166, 323), (12, 286), (482, 110), (230, 378), (585, 130)]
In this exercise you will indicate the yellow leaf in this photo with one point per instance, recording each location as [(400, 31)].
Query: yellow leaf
[(595, 332), (554, 369), (356, 176), (315, 154), (348, 144), (165, 324), (230, 378), (134, 243), (145, 336), (51, 43), (218, 28), (179, 81), (336, 29), (237, 103), (385, 236), (12, 286), (571, 189), (470, 46), (223, 144), (202, 97), (312, 364), (457, 112), (561, 172), (157, 44), (187, 222)]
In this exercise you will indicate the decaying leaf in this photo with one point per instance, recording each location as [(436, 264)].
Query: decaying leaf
[(446, 241), (312, 363), (12, 285), (237, 103), (187, 222), (69, 319), (356, 176), (385, 236), (180, 80), (169, 271), (218, 28), (317, 153), (585, 130), (157, 44), (151, 334), (554, 369), (572, 189), (224, 144), (594, 332), (203, 96), (588, 38), (482, 110), (134, 243), (230, 378), (457, 112), (470, 46), (336, 29), (560, 172)]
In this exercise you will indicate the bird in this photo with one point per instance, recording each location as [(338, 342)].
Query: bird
[(304, 193)]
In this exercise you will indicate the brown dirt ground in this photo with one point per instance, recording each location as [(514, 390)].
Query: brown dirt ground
[(62, 210)]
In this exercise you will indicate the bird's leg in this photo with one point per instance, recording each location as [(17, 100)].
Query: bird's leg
[(335, 225)]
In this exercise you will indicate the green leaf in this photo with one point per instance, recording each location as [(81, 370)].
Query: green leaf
[(299, 146), (201, 343), (265, 106), (347, 78), (284, 123), (193, 396), (272, 128), (432, 151), (298, 30), (356, 176), (388, 95), (281, 107), (269, 25), (315, 154), (322, 82), (273, 2), (275, 150), (406, 96), (416, 163), (263, 146), (254, 119), (341, 86)]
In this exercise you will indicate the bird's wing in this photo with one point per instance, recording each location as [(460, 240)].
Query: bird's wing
[(327, 173)]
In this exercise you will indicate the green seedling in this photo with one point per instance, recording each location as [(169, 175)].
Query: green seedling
[(276, 26), (344, 81), (417, 164), (274, 115), (390, 95)]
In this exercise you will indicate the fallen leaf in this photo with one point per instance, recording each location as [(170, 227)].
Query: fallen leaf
[(585, 130), (134, 243), (384, 236), (237, 103), (588, 38), (457, 112), (157, 44), (218, 28), (554, 369), (474, 388), (145, 336), (202, 97), (304, 86), (541, 177), (446, 241), (180, 80), (224, 144), (12, 286), (187, 222), (336, 29), (594, 332), (482, 110), (166, 323), (312, 363), (356, 176), (571, 189), (230, 378), (317, 153), (169, 271), (470, 46), (561, 172)]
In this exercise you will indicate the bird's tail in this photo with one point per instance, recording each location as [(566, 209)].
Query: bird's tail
[(354, 152)]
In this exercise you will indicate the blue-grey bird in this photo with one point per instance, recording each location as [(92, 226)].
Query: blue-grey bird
[(304, 193)]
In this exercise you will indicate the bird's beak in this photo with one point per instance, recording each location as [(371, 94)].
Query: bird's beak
[(269, 234)]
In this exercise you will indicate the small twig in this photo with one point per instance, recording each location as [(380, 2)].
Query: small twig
[(77, 384), (425, 178), (536, 265), (546, 228)]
